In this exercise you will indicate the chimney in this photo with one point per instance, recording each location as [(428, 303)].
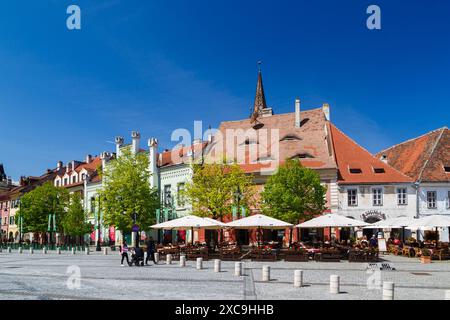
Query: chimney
[(326, 111), (105, 157), (135, 138), (59, 165), (297, 113), (88, 158), (73, 165), (68, 167), (153, 162), (119, 143)]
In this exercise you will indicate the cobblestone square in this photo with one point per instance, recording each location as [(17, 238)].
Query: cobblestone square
[(51, 276)]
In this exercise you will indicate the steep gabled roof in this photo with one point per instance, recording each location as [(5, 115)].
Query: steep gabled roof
[(358, 166), (309, 142), (423, 158)]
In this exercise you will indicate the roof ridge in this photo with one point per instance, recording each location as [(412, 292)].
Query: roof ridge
[(274, 115), (412, 139), (364, 149), (431, 153)]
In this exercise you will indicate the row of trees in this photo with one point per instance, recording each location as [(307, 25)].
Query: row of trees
[(38, 207), (293, 193)]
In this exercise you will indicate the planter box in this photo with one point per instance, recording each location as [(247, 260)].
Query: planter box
[(425, 259)]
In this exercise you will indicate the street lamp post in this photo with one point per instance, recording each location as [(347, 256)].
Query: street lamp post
[(98, 248)]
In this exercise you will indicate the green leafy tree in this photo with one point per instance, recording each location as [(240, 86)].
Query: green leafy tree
[(75, 221), (213, 187), (126, 190), (293, 193), (36, 205)]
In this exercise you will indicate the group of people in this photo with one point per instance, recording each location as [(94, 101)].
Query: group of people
[(137, 254)]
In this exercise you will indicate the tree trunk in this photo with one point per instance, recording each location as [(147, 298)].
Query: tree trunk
[(290, 237)]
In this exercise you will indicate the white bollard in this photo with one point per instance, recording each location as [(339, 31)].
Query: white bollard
[(182, 261), (168, 258), (105, 251), (156, 257), (73, 250), (44, 250), (58, 250), (20, 250), (31, 250), (199, 263), (217, 265), (86, 251), (9, 250), (334, 284), (265, 273), (298, 278), (447, 295), (388, 290), (238, 269)]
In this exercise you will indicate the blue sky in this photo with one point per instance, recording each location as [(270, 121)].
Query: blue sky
[(155, 66)]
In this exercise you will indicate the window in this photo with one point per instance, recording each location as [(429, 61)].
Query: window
[(448, 199), (355, 170), (378, 170), (11, 221), (447, 169), (74, 179), (167, 195), (352, 196), (180, 195), (402, 196), (65, 181), (57, 183), (431, 199), (377, 196)]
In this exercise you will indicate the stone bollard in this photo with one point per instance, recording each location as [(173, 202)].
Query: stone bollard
[(44, 250), (156, 257), (199, 263), (73, 250), (58, 250), (265, 273), (388, 290), (9, 250), (238, 269), (20, 250), (447, 295), (168, 258), (105, 251), (86, 251), (31, 250), (217, 265), (298, 278), (182, 261), (334, 284)]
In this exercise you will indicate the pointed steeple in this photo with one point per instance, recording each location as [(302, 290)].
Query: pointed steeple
[(259, 105)]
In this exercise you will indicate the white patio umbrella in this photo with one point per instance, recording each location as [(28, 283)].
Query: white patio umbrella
[(188, 222), (433, 221), (332, 221), (259, 221), (399, 222)]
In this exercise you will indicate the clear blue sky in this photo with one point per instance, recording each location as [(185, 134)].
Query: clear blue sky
[(155, 66)]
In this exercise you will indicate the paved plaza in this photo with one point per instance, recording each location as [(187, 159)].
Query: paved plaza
[(52, 276)]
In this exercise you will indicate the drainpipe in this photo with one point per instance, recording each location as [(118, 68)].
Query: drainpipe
[(417, 187)]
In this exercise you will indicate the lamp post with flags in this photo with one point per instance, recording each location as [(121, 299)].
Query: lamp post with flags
[(51, 226), (98, 247)]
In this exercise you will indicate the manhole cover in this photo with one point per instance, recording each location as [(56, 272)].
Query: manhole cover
[(421, 274)]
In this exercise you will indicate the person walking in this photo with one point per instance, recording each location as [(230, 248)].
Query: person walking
[(124, 252), (150, 250)]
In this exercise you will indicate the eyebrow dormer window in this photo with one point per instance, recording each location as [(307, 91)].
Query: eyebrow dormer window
[(447, 169), (378, 170), (290, 137), (355, 170)]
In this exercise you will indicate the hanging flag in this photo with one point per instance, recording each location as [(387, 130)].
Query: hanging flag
[(243, 212), (234, 212), (49, 219)]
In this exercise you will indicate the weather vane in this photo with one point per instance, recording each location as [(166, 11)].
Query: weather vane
[(259, 65)]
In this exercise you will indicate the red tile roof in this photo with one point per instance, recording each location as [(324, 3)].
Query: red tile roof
[(423, 158), (181, 155), (310, 141), (350, 155)]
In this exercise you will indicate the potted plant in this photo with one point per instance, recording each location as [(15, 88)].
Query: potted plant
[(425, 256)]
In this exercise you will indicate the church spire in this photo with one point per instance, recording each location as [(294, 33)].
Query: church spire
[(259, 106)]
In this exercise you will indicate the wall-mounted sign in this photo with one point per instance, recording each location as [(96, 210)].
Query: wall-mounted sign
[(373, 215)]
